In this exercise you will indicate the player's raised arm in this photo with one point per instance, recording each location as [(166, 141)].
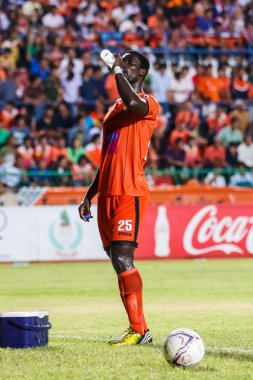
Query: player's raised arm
[(130, 67), (84, 208)]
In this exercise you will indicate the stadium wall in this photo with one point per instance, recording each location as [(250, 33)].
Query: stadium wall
[(55, 233)]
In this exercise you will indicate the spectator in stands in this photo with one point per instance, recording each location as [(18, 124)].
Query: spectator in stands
[(8, 86), (84, 19), (232, 155), (59, 149), (62, 176), (241, 113), (53, 21), (120, 13), (215, 155), (19, 130), (224, 84), (40, 67), (181, 87), (192, 153), (99, 84), (181, 132), (13, 175), (63, 120), (78, 65), (26, 152), (231, 133), (42, 153), (71, 83), (88, 86), (82, 172), (241, 178), (161, 83), (240, 86), (245, 152), (81, 130), (188, 115), (206, 21), (160, 130), (8, 151), (4, 21), (40, 174), (75, 151), (45, 125), (8, 114), (4, 134), (52, 87), (216, 122), (36, 46), (34, 95), (175, 154), (215, 178), (210, 86)]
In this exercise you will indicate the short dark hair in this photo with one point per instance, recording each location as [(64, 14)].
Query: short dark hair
[(142, 58)]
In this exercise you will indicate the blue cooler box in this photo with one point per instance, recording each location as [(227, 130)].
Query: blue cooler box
[(24, 329)]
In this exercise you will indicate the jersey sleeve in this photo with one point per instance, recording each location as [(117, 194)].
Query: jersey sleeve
[(151, 116)]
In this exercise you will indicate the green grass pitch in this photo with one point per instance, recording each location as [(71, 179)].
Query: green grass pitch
[(213, 297)]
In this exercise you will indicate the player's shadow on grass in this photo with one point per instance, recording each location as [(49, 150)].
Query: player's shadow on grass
[(241, 356)]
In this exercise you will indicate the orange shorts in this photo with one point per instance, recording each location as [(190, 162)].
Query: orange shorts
[(119, 218)]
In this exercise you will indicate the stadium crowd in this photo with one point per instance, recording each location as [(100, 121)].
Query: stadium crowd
[(54, 89)]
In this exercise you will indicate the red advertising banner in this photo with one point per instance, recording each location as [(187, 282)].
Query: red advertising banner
[(210, 231)]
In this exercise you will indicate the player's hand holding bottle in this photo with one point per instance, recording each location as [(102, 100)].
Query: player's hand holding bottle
[(84, 210)]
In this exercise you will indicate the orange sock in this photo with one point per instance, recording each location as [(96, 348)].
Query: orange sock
[(130, 285)]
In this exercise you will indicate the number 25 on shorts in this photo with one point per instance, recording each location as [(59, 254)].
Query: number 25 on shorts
[(125, 225)]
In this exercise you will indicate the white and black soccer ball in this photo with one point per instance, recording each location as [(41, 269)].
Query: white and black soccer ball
[(183, 347)]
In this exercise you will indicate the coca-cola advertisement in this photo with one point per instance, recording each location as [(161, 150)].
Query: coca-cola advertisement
[(176, 232)]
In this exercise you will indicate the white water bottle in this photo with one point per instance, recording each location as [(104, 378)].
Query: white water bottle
[(162, 233), (107, 57)]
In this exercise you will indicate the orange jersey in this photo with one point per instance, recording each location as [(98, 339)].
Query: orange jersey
[(125, 145)]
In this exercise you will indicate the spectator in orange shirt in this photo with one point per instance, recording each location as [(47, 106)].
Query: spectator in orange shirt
[(180, 132), (215, 155), (189, 116), (225, 85), (209, 86), (158, 24), (59, 149), (42, 152), (158, 21), (8, 114)]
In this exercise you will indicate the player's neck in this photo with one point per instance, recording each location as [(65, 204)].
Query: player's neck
[(137, 87)]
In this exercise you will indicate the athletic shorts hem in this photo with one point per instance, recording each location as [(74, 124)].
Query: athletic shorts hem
[(125, 242)]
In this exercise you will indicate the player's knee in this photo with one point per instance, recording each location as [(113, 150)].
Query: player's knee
[(122, 257), (122, 263)]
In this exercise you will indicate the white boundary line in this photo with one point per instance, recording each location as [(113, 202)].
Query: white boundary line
[(233, 350)]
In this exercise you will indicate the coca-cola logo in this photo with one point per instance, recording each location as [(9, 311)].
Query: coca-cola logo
[(207, 233)]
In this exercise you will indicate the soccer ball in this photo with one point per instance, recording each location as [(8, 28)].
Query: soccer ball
[(183, 347)]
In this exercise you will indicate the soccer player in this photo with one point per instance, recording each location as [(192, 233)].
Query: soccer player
[(121, 186)]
